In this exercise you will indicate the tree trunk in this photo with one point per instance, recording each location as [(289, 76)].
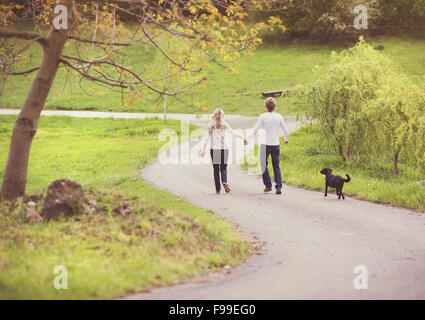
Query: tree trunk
[(2, 85), (396, 160), (15, 176), (341, 150)]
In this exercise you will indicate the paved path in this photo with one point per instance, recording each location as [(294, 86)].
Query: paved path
[(199, 119)]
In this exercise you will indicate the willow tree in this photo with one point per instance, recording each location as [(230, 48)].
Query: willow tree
[(400, 110), (368, 109), (88, 38), (336, 98)]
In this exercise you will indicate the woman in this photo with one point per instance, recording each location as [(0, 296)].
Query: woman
[(216, 133)]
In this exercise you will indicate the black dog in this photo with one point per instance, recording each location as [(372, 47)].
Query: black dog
[(336, 182)]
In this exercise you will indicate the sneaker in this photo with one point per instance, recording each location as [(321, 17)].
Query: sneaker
[(278, 191), (267, 189), (226, 187)]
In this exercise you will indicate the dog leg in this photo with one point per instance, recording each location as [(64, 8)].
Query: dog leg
[(326, 190), (343, 197)]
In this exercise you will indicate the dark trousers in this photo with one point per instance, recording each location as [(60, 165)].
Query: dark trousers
[(274, 151), (219, 159)]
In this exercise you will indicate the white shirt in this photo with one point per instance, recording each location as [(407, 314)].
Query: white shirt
[(219, 138), (271, 122)]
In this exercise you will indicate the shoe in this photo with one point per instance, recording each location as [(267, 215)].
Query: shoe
[(218, 192), (278, 191), (267, 189), (226, 187)]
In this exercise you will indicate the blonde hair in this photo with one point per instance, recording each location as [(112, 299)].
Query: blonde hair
[(217, 119), (270, 104)]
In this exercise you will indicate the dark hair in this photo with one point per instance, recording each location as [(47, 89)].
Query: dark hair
[(270, 104)]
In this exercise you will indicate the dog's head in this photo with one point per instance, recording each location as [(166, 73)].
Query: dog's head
[(326, 171)]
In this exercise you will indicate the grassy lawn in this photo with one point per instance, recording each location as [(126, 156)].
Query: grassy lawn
[(306, 154), (272, 67), (140, 237)]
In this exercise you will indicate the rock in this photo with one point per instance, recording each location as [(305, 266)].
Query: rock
[(33, 216), (379, 47), (32, 204), (421, 183), (93, 203), (89, 210), (64, 197), (33, 198)]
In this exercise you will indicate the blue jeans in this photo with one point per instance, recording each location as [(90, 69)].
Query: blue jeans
[(219, 159), (274, 151)]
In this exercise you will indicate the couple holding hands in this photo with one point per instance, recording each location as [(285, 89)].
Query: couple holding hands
[(270, 121)]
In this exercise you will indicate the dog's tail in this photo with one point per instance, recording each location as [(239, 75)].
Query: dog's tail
[(348, 178)]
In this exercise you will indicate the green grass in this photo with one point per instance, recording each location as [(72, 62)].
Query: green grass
[(407, 53), (157, 240), (306, 154), (272, 67)]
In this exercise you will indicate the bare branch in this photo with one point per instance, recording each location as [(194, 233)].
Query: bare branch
[(95, 29), (88, 76), (165, 54), (20, 73), (121, 83), (86, 62), (102, 60), (98, 42), (171, 30), (23, 35)]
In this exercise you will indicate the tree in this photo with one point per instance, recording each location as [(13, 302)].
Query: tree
[(337, 97), (332, 20), (327, 20), (400, 109), (91, 43), (368, 108), (402, 15)]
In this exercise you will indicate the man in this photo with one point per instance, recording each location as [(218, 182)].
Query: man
[(271, 122)]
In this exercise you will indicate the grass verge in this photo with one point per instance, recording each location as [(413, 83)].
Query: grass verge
[(139, 238)]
